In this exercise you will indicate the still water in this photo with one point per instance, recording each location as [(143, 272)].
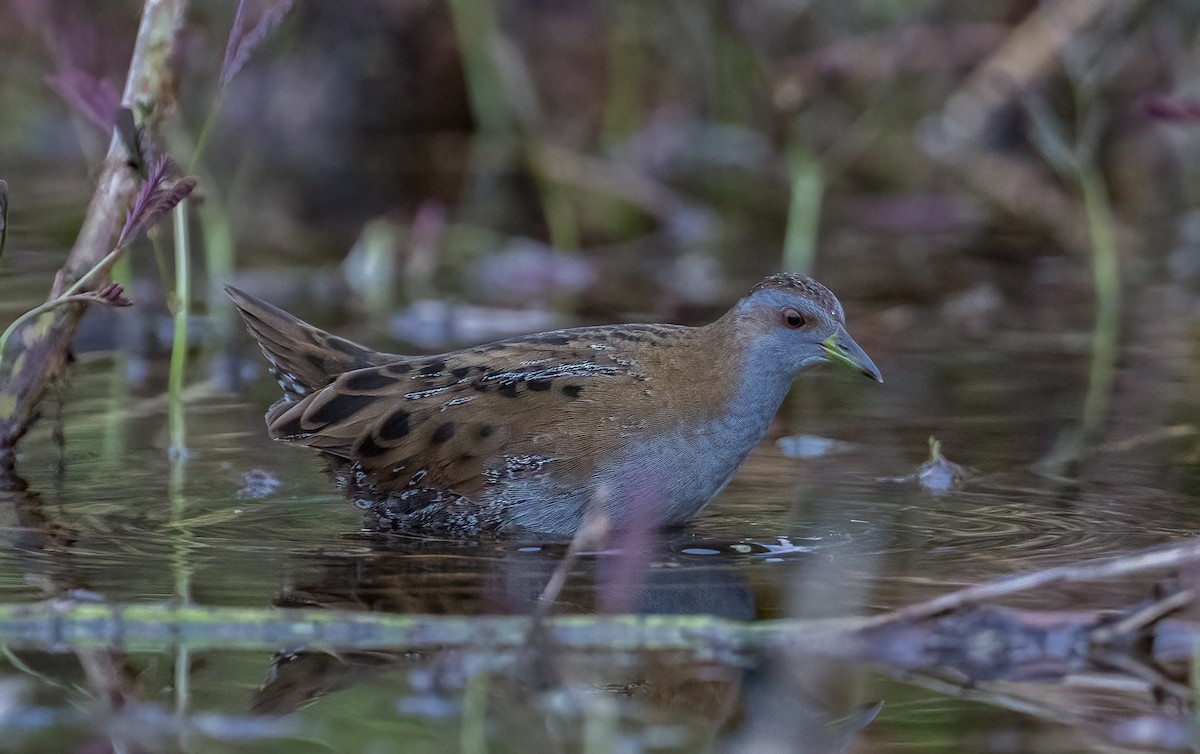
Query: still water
[(244, 522)]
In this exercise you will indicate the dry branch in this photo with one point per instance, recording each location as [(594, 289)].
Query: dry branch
[(45, 344), (1019, 186)]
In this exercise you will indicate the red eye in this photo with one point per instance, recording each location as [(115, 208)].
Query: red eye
[(793, 318)]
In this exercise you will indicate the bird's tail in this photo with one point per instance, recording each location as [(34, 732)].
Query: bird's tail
[(303, 359)]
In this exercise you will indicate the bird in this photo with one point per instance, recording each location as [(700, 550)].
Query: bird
[(642, 423)]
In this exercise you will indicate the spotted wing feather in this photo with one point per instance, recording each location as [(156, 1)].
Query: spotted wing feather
[(303, 358), (444, 421)]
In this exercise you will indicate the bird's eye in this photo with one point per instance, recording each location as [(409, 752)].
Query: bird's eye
[(793, 318)]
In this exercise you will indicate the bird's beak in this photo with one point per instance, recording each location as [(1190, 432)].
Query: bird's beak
[(840, 348)]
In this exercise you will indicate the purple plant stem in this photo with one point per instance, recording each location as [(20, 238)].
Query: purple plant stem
[(43, 350)]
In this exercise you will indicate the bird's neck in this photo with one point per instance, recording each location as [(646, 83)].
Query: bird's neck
[(756, 386)]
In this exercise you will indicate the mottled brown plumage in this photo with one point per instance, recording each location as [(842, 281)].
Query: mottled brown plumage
[(649, 421)]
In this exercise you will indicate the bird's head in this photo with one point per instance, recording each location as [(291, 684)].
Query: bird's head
[(794, 322)]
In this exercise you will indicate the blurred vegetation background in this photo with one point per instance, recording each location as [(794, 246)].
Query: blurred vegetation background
[(455, 170), (1004, 194)]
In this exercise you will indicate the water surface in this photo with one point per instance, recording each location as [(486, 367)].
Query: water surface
[(242, 521)]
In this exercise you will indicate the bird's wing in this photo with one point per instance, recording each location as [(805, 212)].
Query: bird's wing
[(443, 421)]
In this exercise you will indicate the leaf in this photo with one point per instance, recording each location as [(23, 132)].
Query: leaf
[(110, 295), (155, 198), (242, 43), (97, 100)]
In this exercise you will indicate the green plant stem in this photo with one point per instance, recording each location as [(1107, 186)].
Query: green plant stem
[(804, 212), (218, 248), (177, 421), (206, 131), (627, 71), (475, 27), (179, 343), (1106, 332), (561, 221), (215, 230), (600, 726), (473, 733), (1106, 278), (66, 297)]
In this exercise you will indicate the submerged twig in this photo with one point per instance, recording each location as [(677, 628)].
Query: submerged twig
[(1148, 615), (155, 626), (590, 535), (53, 623), (1172, 556)]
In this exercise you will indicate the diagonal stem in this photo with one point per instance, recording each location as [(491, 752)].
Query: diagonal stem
[(148, 89)]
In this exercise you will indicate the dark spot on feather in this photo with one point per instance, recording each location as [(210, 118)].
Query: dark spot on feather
[(539, 385), (508, 389), (480, 385), (373, 379), (433, 368), (572, 391), (486, 430), (317, 361), (339, 408), (443, 433), (367, 448), (395, 427), (290, 428), (460, 372), (466, 457), (344, 346), (401, 368)]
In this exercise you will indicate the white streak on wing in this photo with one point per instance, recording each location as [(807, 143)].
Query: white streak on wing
[(426, 393), (288, 383), (577, 369), (456, 402)]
